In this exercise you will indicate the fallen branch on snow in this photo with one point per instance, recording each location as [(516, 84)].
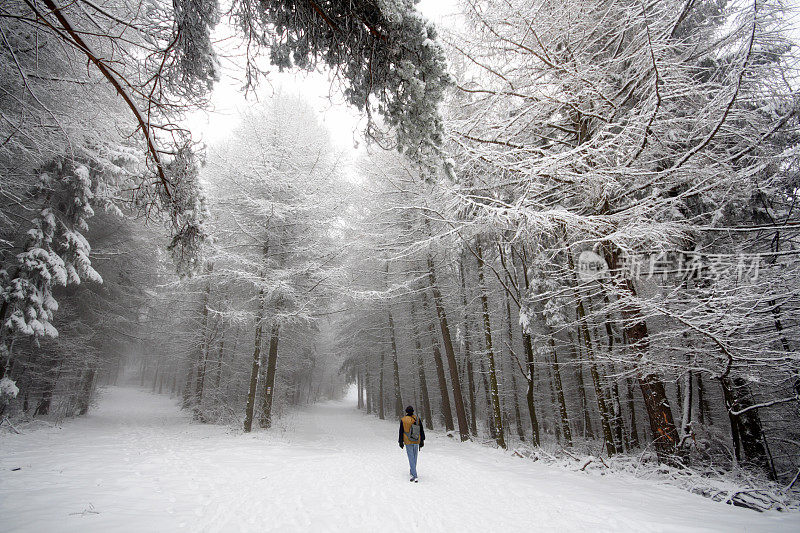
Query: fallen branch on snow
[(7, 421)]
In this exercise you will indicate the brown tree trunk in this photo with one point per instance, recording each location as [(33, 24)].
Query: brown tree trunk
[(554, 404), (660, 416), (437, 358), (473, 426), (487, 333), (398, 399), (527, 343), (458, 398), (634, 433), (529, 362), (575, 348), (45, 402), (512, 372), (269, 385), (254, 370), (613, 402), (746, 430), (703, 414), (562, 403), (86, 393), (488, 400), (423, 383), (381, 411), (616, 409), (426, 402), (656, 402), (368, 386), (360, 389), (605, 423), (310, 381)]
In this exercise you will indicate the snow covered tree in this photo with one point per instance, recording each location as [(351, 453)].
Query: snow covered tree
[(638, 130), (151, 61), (272, 188), (385, 52), (66, 152)]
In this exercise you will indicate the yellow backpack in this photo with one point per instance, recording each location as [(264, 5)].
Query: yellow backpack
[(414, 432)]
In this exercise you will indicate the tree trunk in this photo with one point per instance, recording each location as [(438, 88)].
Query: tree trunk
[(562, 403), (437, 358), (686, 409), (311, 380), (426, 402), (746, 430), (6, 345), (512, 372), (634, 434), (613, 402), (360, 389), (487, 333), (473, 426), (598, 389), (155, 376), (488, 399), (660, 416), (368, 385), (656, 402), (187, 400), (381, 412), (575, 348), (254, 371), (703, 415), (423, 383), (398, 400), (527, 343), (43, 407), (218, 377), (269, 386), (603, 404), (616, 408), (86, 393), (554, 404), (458, 398), (202, 356)]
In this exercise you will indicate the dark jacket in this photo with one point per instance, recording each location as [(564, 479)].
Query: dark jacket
[(405, 427)]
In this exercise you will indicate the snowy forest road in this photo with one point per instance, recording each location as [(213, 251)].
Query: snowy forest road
[(138, 464)]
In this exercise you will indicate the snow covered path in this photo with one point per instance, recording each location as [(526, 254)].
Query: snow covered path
[(137, 464)]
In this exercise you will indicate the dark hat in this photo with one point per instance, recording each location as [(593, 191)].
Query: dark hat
[(409, 410)]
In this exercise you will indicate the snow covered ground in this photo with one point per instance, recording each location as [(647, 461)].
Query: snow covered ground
[(137, 464)]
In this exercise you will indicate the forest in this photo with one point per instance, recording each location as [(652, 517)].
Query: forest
[(567, 229)]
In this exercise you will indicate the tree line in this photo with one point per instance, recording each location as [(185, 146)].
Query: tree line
[(585, 237), (609, 257), (92, 97)]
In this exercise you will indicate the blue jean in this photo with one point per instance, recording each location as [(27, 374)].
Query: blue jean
[(412, 450)]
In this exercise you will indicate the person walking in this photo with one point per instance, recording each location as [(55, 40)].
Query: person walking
[(412, 436)]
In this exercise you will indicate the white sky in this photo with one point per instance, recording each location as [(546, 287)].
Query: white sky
[(227, 99)]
